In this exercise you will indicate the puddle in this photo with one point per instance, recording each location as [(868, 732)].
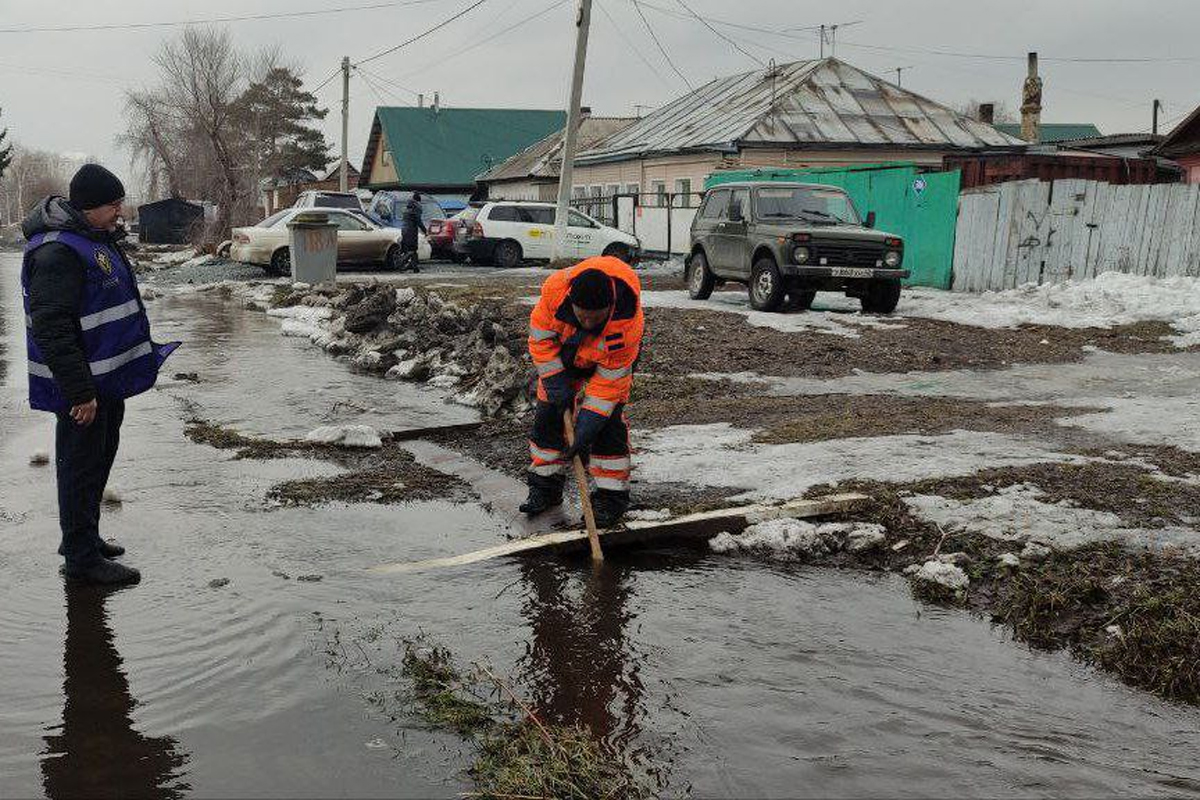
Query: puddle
[(212, 677)]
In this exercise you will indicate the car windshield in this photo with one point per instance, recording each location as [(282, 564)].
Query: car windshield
[(829, 206), (338, 201), (273, 220)]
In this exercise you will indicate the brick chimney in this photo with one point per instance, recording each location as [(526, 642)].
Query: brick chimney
[(987, 113), (1031, 103)]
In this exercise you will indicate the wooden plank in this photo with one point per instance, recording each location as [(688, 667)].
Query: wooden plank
[(1029, 244), (425, 433), (1191, 266), (703, 525)]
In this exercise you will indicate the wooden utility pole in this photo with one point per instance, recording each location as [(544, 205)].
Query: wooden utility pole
[(583, 20), (343, 176)]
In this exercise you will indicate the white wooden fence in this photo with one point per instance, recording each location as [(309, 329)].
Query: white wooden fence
[(1042, 232)]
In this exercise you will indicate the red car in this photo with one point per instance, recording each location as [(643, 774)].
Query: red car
[(441, 238)]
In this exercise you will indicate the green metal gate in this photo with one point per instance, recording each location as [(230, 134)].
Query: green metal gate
[(920, 207)]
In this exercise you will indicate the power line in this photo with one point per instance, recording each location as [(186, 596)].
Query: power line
[(325, 82), (384, 80), (493, 37), (211, 20), (424, 33), (708, 25), (1001, 57), (637, 52), (638, 7)]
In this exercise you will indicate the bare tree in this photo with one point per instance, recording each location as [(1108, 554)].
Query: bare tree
[(31, 176), (152, 140), (203, 75), (1002, 112)]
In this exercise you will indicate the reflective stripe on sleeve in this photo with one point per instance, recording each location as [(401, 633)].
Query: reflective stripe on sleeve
[(548, 469), (541, 334), (614, 374), (597, 404), (550, 367)]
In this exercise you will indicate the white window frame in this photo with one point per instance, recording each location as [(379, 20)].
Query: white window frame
[(683, 196), (659, 190)]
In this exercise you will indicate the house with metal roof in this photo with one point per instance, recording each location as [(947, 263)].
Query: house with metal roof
[(815, 113), (532, 174), (1182, 145), (441, 150)]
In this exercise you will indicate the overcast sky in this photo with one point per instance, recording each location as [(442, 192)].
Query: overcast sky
[(63, 90)]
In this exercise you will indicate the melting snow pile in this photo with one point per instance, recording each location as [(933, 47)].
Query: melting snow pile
[(346, 436), (1108, 300), (406, 335), (1020, 514), (796, 539)]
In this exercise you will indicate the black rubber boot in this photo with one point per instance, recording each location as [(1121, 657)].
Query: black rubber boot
[(104, 573), (544, 494), (609, 507), (108, 549)]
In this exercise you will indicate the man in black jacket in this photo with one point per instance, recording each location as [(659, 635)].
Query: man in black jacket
[(410, 223), (88, 427)]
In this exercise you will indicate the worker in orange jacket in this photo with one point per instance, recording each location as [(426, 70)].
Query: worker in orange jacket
[(584, 337)]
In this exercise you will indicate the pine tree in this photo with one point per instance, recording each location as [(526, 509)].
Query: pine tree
[(6, 151), (276, 115)]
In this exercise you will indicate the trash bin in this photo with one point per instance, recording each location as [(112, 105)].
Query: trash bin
[(313, 242)]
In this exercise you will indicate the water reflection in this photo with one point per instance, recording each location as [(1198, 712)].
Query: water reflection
[(96, 752), (581, 665)]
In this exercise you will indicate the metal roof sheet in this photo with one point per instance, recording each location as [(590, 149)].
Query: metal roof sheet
[(1051, 132), (449, 146), (818, 102), (543, 159)]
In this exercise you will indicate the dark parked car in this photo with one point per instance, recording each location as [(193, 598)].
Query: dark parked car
[(387, 208), (787, 241)]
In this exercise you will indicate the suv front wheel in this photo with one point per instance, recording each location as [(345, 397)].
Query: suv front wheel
[(881, 297), (766, 285), (700, 279)]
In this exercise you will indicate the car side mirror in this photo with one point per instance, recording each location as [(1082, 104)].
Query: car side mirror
[(735, 213), (870, 222)]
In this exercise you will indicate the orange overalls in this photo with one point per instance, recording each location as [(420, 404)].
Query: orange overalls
[(600, 363)]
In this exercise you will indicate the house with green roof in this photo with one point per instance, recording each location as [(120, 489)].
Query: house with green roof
[(1053, 132), (441, 150)]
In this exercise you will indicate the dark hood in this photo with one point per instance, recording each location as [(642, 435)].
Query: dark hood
[(56, 214)]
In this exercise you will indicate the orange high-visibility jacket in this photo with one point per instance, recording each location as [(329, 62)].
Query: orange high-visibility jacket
[(607, 356)]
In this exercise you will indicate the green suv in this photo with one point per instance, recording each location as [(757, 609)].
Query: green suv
[(788, 241)]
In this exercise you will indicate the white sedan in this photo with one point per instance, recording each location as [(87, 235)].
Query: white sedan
[(360, 241)]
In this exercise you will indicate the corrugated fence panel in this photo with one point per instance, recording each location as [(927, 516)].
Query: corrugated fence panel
[(1038, 232)]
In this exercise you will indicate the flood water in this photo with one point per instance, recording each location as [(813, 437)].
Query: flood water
[(742, 678)]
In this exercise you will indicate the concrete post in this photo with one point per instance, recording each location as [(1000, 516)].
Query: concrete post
[(1031, 103), (583, 21)]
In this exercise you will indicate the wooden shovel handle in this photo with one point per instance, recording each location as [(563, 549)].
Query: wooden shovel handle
[(589, 518)]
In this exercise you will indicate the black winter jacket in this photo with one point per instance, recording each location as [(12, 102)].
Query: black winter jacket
[(56, 287)]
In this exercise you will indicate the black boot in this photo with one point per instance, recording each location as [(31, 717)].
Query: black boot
[(104, 573), (608, 507), (543, 495), (108, 549)]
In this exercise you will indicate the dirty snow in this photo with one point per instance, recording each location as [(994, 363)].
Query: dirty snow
[(942, 574), (1108, 300), (346, 436), (797, 539), (845, 322), (720, 455), (1019, 514)]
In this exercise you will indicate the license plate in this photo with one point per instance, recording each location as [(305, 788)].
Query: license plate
[(851, 272)]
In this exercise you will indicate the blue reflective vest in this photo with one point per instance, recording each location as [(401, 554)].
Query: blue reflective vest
[(112, 322)]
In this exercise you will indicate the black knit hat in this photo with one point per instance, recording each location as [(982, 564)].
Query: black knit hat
[(592, 289), (94, 186)]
